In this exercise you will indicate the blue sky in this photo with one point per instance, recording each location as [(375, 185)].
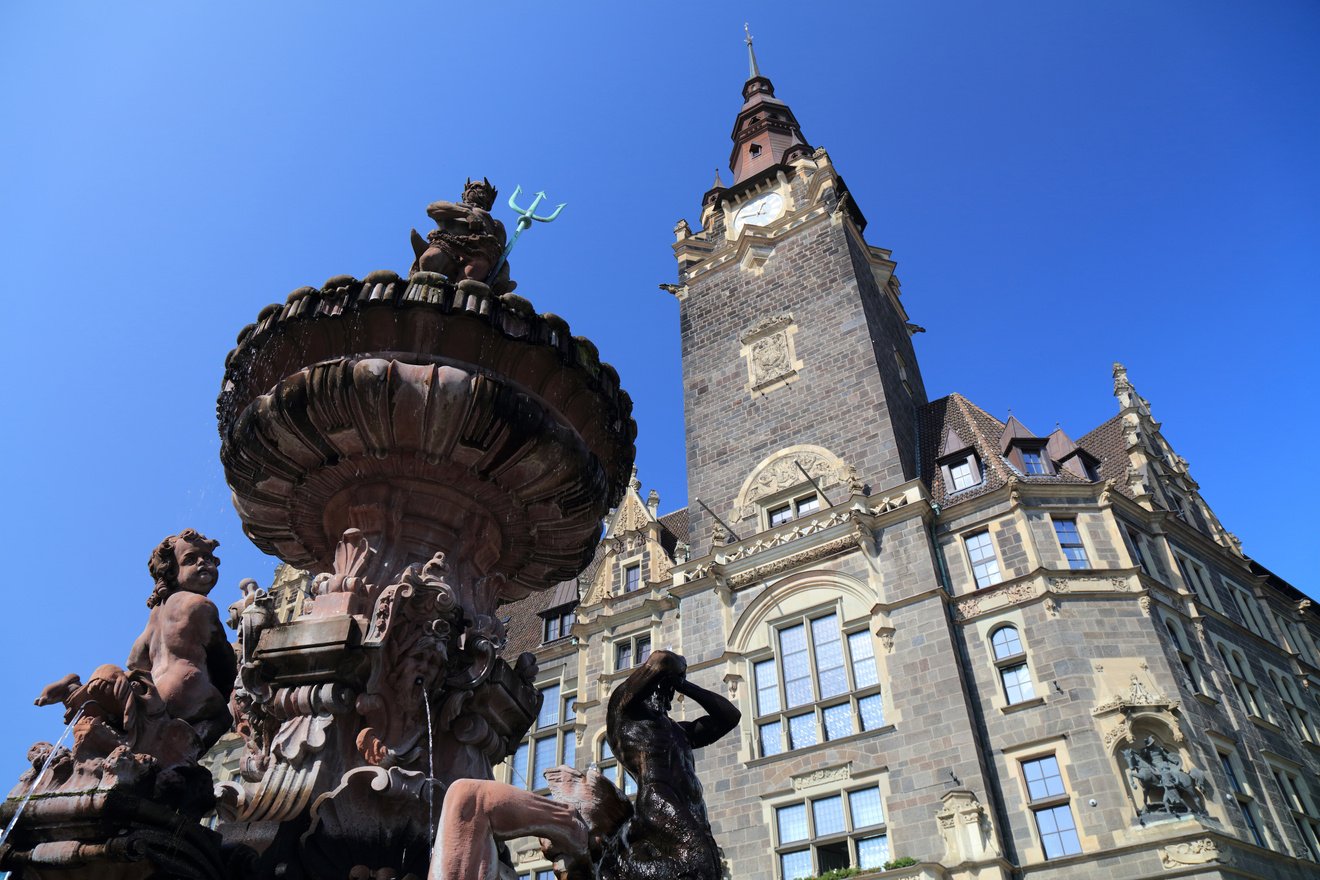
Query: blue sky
[(1062, 185)]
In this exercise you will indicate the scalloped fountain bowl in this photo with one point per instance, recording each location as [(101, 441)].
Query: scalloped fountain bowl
[(430, 416)]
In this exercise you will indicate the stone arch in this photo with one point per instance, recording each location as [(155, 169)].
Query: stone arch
[(779, 472), (791, 594)]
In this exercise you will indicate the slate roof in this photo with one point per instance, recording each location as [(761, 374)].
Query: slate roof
[(984, 433), (1106, 442), (674, 528)]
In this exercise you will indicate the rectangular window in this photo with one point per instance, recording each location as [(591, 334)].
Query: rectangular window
[(1305, 814), (815, 662), (832, 832), (632, 578), (1134, 547), (1047, 798), (549, 714), (863, 659), (1017, 683), (791, 510), (1198, 580), (556, 623), (985, 567), (631, 652), (554, 743), (1033, 463), (543, 758), (518, 767), (1070, 541), (964, 474)]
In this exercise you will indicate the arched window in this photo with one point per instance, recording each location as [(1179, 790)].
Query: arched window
[(1011, 662)]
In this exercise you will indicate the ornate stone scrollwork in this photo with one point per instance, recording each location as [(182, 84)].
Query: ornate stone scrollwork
[(785, 470)]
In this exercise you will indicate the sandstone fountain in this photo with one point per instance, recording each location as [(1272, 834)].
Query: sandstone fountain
[(430, 447)]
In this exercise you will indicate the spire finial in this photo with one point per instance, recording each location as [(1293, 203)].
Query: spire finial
[(751, 53), (719, 184)]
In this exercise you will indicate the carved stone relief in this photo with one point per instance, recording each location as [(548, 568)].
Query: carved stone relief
[(770, 353), (784, 470), (1193, 852)]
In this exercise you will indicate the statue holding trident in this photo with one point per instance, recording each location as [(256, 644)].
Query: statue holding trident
[(468, 243)]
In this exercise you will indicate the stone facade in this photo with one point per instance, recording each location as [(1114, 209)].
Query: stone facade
[(955, 644), (919, 606)]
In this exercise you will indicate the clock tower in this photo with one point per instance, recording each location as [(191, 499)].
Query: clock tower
[(795, 343)]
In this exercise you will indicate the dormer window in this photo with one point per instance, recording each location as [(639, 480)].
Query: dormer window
[(964, 473), (1029, 457), (959, 464), (754, 150), (556, 623), (632, 577)]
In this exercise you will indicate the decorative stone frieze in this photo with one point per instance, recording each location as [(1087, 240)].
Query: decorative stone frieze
[(822, 776), (1192, 852)]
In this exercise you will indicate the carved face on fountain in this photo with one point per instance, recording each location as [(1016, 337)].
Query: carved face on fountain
[(186, 562)]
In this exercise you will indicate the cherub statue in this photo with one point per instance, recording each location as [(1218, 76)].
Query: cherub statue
[(184, 648), (468, 242)]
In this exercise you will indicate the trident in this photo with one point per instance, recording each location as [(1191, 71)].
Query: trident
[(525, 219)]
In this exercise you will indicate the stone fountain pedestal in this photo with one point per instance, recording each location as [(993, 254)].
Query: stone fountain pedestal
[(430, 450)]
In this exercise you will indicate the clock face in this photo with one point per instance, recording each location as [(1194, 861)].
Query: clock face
[(761, 210)]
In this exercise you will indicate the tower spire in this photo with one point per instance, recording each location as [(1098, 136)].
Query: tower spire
[(765, 133), (752, 71)]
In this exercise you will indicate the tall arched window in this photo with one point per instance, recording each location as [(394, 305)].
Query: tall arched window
[(1011, 662)]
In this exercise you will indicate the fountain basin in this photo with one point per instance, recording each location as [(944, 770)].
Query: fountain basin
[(431, 415)]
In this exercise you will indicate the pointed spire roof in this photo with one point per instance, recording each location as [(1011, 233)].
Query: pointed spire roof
[(766, 133)]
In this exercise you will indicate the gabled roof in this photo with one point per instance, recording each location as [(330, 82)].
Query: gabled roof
[(1014, 430)]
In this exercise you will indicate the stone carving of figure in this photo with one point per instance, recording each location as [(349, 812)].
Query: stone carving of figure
[(669, 837), (144, 727), (467, 242), (184, 648), (1165, 786)]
